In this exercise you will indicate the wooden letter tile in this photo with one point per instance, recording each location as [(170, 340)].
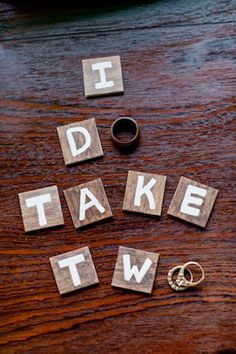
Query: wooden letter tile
[(193, 202), (41, 208), (135, 270), (102, 76), (144, 193), (74, 270), (88, 203), (79, 141)]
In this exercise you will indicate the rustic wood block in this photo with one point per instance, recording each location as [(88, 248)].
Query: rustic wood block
[(102, 76), (41, 208), (144, 193), (79, 141), (193, 201), (135, 270), (74, 270), (88, 203)]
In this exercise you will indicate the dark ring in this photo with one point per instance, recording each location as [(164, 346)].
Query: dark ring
[(125, 124)]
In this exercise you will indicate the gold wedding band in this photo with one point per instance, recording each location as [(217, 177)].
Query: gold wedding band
[(170, 278), (181, 283)]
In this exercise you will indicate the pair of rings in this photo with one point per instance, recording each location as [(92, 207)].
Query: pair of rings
[(125, 132), (181, 282)]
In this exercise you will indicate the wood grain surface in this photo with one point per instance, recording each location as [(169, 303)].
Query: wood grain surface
[(179, 71), (154, 184), (93, 151), (145, 262)]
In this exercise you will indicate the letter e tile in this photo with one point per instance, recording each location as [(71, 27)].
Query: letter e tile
[(193, 202), (74, 270), (135, 270)]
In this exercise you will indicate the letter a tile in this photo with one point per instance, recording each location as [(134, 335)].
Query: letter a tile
[(74, 270), (135, 270), (41, 208), (193, 202), (88, 203), (79, 141), (102, 76), (144, 193)]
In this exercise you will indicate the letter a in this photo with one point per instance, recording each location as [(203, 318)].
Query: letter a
[(85, 192)]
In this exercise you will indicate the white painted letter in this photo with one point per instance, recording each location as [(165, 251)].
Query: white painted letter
[(71, 263), (140, 190), (38, 202), (71, 140), (189, 199), (85, 192), (103, 82), (138, 274)]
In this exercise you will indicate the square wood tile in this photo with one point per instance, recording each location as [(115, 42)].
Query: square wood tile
[(102, 76), (41, 208), (88, 203), (135, 270), (80, 141), (144, 193), (74, 270), (193, 202)]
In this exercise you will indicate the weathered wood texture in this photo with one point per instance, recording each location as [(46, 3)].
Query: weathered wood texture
[(85, 269), (94, 150), (157, 190), (52, 209), (92, 77), (137, 259), (179, 65), (203, 206), (92, 214)]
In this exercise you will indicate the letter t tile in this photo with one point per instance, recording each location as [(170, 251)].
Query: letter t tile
[(74, 270)]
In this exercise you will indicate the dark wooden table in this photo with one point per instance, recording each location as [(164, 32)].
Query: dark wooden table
[(179, 66)]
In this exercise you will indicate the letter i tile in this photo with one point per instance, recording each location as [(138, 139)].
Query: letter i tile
[(79, 141), (193, 202), (102, 76), (74, 270), (135, 270)]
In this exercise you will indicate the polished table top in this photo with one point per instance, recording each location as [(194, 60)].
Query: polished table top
[(178, 60)]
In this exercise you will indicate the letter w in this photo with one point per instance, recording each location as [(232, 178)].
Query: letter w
[(138, 274)]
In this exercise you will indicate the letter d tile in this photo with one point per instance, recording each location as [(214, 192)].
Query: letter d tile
[(79, 141)]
